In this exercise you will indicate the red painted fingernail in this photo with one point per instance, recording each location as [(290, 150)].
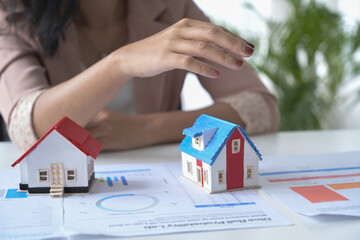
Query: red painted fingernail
[(215, 73), (248, 50), (238, 62), (250, 44)]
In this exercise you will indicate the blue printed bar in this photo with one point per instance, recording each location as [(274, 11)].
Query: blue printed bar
[(13, 193), (109, 181), (123, 179), (225, 205), (124, 171)]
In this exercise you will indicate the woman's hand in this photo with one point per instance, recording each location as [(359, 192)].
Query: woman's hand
[(183, 46), (118, 131)]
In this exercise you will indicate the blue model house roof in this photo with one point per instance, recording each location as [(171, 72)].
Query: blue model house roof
[(196, 131), (214, 147)]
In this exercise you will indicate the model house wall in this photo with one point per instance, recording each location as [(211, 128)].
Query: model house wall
[(188, 166), (23, 172), (218, 166), (211, 184), (251, 161), (207, 176), (56, 149), (90, 166)]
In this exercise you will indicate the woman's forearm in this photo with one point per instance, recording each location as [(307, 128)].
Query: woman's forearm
[(168, 126), (81, 97), (180, 46)]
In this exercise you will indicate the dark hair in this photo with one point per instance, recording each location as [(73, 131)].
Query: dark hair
[(48, 19)]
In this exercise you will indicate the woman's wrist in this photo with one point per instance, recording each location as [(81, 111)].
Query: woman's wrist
[(117, 62)]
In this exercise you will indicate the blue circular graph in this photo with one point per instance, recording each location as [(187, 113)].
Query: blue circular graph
[(127, 203)]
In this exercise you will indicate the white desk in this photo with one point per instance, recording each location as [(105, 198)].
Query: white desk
[(285, 143)]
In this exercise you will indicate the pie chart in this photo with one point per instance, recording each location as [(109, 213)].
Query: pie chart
[(127, 203)]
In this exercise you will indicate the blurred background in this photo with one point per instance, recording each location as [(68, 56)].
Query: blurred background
[(307, 53)]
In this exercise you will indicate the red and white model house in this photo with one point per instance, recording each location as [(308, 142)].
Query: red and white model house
[(60, 161), (219, 156)]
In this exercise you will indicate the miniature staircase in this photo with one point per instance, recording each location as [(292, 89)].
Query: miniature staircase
[(56, 190)]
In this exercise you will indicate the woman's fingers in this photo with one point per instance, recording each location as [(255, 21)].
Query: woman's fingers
[(180, 45), (194, 65), (217, 35), (196, 23), (208, 51)]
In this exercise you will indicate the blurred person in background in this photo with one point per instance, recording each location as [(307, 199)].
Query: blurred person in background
[(117, 68)]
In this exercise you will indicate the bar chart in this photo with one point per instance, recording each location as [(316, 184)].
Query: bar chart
[(332, 187)]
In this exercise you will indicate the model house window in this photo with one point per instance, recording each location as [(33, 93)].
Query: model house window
[(235, 145), (197, 141), (189, 167), (43, 175), (206, 177), (249, 172), (71, 174), (198, 171), (220, 177)]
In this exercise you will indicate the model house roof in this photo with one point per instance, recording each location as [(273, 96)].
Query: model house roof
[(75, 134), (196, 131), (214, 147)]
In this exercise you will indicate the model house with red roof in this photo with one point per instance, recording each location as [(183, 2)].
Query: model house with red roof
[(219, 156), (62, 161)]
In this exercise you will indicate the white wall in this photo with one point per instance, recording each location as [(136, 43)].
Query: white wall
[(250, 159), (218, 165), (207, 184), (56, 149), (24, 171), (187, 158)]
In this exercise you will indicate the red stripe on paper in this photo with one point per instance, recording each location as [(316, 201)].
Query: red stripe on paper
[(317, 194), (317, 177)]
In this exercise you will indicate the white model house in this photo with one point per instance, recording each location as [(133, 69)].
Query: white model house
[(219, 156), (60, 161)]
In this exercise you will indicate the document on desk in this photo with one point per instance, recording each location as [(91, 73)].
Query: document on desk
[(135, 200), (314, 184), (23, 217)]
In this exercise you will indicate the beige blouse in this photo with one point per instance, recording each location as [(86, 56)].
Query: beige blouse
[(25, 73)]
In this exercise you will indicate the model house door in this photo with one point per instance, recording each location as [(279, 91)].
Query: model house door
[(199, 176), (199, 172), (57, 174)]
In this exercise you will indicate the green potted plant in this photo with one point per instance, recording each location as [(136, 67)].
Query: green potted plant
[(308, 57)]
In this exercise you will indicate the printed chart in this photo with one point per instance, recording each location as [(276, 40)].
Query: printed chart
[(155, 200), (12, 193), (23, 217), (226, 199), (321, 190), (127, 203)]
